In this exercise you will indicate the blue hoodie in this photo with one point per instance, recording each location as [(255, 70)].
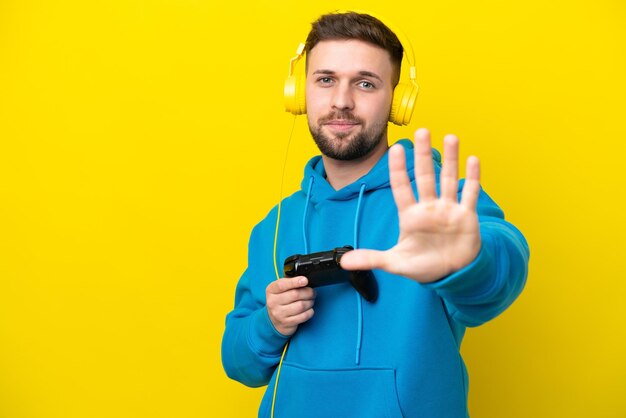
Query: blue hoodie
[(396, 357)]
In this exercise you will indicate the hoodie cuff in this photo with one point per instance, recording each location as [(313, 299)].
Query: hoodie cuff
[(263, 336), (473, 282)]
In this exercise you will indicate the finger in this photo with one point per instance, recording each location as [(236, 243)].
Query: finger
[(294, 295), (471, 188), (296, 308), (450, 170), (424, 170), (300, 318), (399, 179), (306, 293), (290, 296), (286, 284), (287, 324), (363, 260)]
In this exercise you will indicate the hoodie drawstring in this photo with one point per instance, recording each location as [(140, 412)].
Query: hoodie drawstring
[(306, 209), (359, 299)]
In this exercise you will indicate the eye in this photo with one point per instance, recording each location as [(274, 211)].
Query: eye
[(366, 85), (325, 80)]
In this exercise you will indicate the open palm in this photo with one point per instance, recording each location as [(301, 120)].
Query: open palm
[(438, 234)]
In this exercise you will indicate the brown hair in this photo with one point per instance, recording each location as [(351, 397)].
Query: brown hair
[(352, 25)]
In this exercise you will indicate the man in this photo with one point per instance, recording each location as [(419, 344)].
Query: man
[(443, 261)]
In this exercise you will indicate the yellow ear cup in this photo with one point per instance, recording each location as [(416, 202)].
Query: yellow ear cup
[(295, 97), (403, 103)]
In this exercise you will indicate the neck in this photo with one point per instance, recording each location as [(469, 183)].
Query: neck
[(341, 173)]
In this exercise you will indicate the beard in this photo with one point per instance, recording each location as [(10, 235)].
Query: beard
[(342, 147)]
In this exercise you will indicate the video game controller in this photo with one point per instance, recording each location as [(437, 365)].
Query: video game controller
[(324, 269)]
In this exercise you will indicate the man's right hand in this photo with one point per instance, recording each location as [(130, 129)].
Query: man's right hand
[(289, 303)]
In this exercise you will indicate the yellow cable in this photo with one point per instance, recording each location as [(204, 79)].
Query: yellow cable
[(280, 200), (280, 365)]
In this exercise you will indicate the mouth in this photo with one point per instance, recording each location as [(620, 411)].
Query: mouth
[(341, 125)]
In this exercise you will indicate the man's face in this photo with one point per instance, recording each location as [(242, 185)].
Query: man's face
[(348, 97)]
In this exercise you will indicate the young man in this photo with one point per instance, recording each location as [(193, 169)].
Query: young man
[(443, 261)]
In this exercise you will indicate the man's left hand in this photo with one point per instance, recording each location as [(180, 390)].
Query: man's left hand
[(438, 234)]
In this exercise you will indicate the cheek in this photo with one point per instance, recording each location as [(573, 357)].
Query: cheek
[(313, 102), (387, 104), (379, 109)]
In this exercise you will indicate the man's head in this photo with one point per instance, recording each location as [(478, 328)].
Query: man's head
[(353, 65)]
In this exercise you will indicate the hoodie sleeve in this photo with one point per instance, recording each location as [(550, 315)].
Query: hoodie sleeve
[(486, 287), (251, 346)]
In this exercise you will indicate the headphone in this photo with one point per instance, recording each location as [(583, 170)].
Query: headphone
[(404, 94)]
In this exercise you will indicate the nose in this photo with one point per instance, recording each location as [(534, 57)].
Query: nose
[(342, 97)]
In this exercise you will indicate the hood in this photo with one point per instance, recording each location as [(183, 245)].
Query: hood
[(376, 178)]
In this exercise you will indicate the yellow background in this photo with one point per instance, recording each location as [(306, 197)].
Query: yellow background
[(140, 141)]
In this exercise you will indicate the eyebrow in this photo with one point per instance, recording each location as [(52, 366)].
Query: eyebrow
[(361, 73)]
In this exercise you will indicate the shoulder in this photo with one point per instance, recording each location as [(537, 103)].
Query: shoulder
[(288, 207)]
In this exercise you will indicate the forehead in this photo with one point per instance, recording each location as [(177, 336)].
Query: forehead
[(349, 56)]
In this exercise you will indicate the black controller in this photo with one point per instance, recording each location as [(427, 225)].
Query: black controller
[(324, 268)]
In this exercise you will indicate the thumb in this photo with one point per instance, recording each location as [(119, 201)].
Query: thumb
[(362, 260)]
